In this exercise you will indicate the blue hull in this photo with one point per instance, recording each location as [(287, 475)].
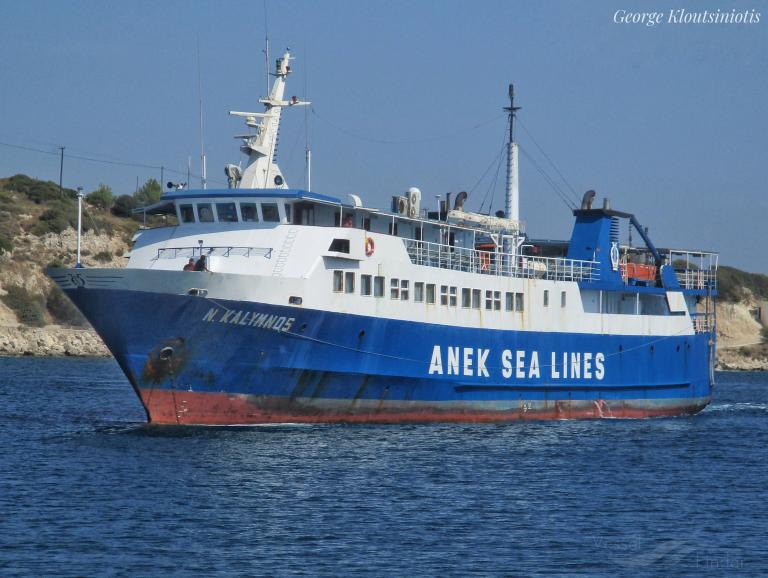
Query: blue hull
[(198, 360)]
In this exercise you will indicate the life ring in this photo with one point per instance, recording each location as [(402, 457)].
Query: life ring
[(369, 246)]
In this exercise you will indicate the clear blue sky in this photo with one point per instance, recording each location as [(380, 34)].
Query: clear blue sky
[(670, 121)]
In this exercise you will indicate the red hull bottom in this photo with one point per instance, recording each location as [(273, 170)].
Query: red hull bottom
[(192, 408)]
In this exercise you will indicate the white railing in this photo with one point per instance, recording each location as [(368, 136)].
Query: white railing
[(702, 322), (192, 252), (696, 278), (500, 264)]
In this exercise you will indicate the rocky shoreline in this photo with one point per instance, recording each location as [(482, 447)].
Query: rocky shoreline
[(51, 341)]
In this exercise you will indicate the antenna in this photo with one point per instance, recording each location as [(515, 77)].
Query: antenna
[(203, 179), (266, 48), (307, 150), (511, 199)]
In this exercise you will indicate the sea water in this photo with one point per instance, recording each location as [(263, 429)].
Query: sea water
[(88, 489)]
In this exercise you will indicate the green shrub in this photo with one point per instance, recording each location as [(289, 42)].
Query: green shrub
[(732, 284), (6, 245), (53, 220), (102, 197), (37, 191), (103, 256), (123, 206), (29, 309), (62, 309)]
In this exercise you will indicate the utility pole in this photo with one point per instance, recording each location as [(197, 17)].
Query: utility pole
[(79, 265), (61, 172)]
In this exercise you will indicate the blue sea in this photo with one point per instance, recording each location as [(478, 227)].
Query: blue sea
[(88, 489)]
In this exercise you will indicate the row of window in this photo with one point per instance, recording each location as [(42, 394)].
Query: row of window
[(231, 212), (400, 290)]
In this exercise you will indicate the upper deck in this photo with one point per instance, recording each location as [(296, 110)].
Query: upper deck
[(592, 257)]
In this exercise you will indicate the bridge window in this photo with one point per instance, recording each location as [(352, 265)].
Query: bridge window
[(287, 213), (204, 213), (226, 212), (187, 214), (248, 212), (270, 213)]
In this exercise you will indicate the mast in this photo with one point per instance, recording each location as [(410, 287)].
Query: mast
[(512, 197), (262, 171)]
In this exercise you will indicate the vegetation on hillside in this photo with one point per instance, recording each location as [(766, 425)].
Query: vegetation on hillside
[(38, 208), (735, 285)]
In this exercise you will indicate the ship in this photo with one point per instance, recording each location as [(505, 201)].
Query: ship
[(305, 307)]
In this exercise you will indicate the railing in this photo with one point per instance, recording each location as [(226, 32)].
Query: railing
[(702, 322), (192, 252), (694, 269), (696, 278), (500, 264)]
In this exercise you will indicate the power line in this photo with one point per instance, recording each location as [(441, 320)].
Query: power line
[(103, 161), (403, 141)]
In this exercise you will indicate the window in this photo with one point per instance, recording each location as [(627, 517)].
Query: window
[(430, 293), (418, 291), (518, 301), (509, 301), (394, 288), (497, 300), (393, 228), (270, 213), (466, 297), (204, 213), (443, 294), (339, 246), (489, 300), (546, 297), (349, 282), (287, 212), (562, 299), (248, 212), (404, 290), (187, 214), (338, 281), (378, 286), (366, 284), (453, 297), (226, 212), (475, 298)]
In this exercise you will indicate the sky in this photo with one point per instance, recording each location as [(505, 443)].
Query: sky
[(668, 121)]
